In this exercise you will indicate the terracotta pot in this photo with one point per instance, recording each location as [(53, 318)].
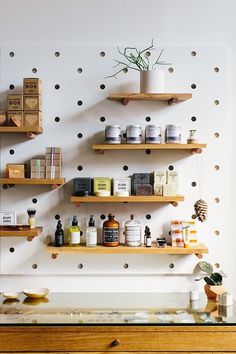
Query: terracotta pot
[(212, 291)]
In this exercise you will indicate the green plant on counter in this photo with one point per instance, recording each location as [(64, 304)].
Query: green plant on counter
[(211, 277), (137, 59)]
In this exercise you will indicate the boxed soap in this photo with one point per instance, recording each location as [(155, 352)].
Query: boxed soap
[(121, 185), (82, 186), (32, 119), (32, 103), (3, 119), (158, 189), (140, 179), (53, 149), (7, 218), (32, 86), (172, 177), (15, 102), (144, 189), (37, 162), (37, 175), (15, 118), (15, 171), (53, 162), (160, 177), (101, 184), (169, 189)]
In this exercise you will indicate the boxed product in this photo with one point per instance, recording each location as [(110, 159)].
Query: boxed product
[(15, 102), (158, 189), (184, 233), (169, 189), (15, 171), (38, 162), (121, 186), (172, 177), (37, 175), (53, 171), (53, 149), (3, 119), (32, 86), (32, 103), (140, 179), (32, 119), (82, 186), (101, 184), (160, 177), (7, 218), (144, 189), (15, 118)]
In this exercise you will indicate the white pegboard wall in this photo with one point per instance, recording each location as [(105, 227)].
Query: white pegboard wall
[(75, 127)]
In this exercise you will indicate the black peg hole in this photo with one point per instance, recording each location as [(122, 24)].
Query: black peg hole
[(217, 200), (148, 216), (216, 135), (147, 54), (102, 119), (125, 70), (80, 135), (34, 70), (217, 167), (34, 266), (171, 70), (80, 168), (57, 54), (11, 152), (193, 184), (80, 266), (34, 201), (102, 86), (170, 168), (103, 217), (216, 102), (217, 232), (79, 103), (11, 249), (11, 54), (4, 186), (125, 266), (57, 217), (193, 53), (102, 54), (194, 216), (171, 265), (217, 265), (216, 69), (79, 70), (125, 168), (148, 119), (57, 87), (193, 119), (11, 87), (193, 86), (148, 151), (57, 119)]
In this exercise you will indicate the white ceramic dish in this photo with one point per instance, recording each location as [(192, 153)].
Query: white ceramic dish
[(36, 293), (10, 295)]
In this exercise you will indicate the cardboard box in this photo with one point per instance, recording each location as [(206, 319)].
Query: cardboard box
[(172, 177), (144, 189), (3, 119), (32, 103), (160, 177), (7, 218), (32, 120), (53, 149), (40, 169), (169, 190), (52, 175), (53, 156), (15, 171), (15, 118), (121, 185), (32, 86), (15, 102), (38, 162), (101, 184), (37, 175), (55, 162), (158, 189), (81, 185)]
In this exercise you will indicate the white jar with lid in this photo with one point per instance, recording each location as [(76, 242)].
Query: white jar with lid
[(152, 134), (172, 134), (113, 134), (133, 232), (134, 134)]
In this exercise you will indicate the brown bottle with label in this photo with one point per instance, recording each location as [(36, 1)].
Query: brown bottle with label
[(111, 232)]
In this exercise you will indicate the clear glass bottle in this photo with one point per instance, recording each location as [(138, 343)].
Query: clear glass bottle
[(91, 233), (111, 232), (133, 232), (74, 239)]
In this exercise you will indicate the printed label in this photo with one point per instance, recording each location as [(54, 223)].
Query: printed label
[(75, 237), (110, 234), (133, 234), (91, 238)]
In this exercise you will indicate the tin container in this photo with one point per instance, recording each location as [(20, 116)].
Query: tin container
[(113, 134), (172, 134), (133, 134), (152, 134)]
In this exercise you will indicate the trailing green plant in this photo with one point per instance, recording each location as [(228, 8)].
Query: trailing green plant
[(135, 59), (211, 277)]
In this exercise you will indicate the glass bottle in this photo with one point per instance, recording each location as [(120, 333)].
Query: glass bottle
[(133, 232), (59, 235), (111, 232), (74, 239), (91, 233)]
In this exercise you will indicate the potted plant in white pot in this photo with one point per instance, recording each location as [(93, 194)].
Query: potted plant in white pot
[(214, 280), (151, 76)]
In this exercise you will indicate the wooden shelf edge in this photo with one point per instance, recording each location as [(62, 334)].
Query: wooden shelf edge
[(168, 96), (21, 233), (122, 249), (32, 181), (124, 146)]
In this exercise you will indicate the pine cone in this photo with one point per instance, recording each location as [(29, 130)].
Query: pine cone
[(201, 208)]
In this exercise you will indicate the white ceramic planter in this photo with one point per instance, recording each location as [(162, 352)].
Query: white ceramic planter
[(152, 81)]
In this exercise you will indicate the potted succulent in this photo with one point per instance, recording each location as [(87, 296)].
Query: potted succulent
[(214, 280), (151, 77)]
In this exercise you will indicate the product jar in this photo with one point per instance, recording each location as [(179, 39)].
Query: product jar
[(152, 134), (113, 134), (172, 134), (133, 232), (111, 232), (134, 134)]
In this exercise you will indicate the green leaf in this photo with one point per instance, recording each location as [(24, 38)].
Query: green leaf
[(206, 267), (209, 281), (217, 278)]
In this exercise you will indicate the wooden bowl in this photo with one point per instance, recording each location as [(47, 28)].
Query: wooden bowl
[(36, 293)]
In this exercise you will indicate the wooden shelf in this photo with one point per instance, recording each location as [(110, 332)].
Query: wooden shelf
[(32, 181), (170, 97), (20, 231), (99, 249), (29, 132), (131, 199), (193, 148)]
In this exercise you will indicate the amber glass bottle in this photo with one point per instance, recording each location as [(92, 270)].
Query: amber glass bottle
[(111, 232)]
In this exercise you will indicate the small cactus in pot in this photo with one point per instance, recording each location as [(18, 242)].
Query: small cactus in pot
[(213, 280)]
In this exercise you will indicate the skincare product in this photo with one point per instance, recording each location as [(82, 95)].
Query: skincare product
[(144, 189), (140, 179), (91, 233), (146, 232), (113, 134), (121, 185), (159, 177), (149, 239), (7, 218), (225, 299), (111, 232), (161, 242), (192, 137), (82, 186), (101, 184), (59, 235), (152, 134), (133, 134), (172, 134), (31, 220), (169, 189), (74, 238), (158, 189), (133, 232), (172, 177)]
